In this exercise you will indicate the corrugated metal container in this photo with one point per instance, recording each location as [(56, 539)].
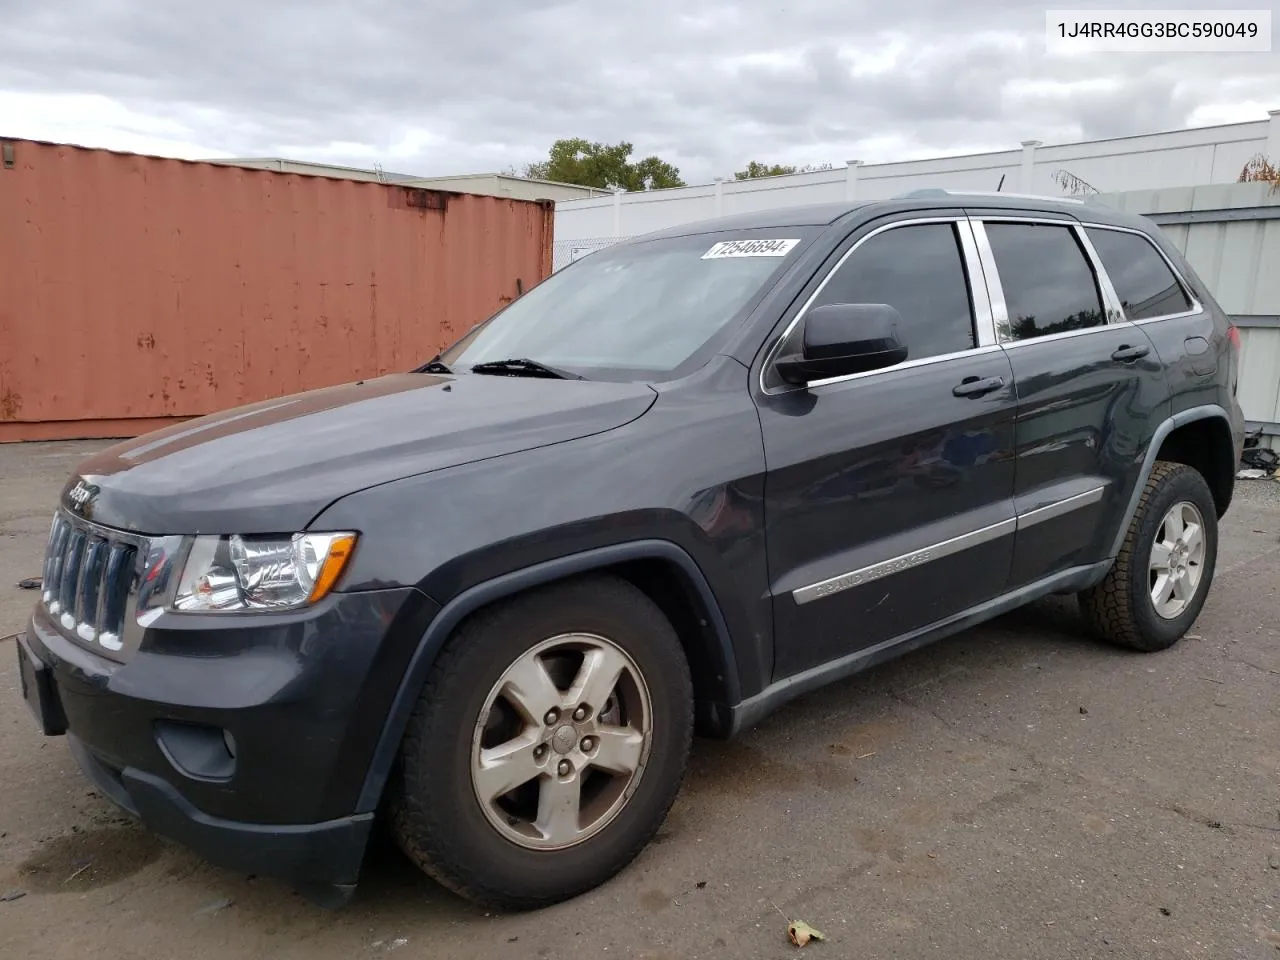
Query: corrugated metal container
[(137, 290)]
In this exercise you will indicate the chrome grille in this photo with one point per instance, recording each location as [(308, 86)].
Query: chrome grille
[(88, 575)]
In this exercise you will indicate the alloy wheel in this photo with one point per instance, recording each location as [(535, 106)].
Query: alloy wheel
[(1177, 560), (561, 742)]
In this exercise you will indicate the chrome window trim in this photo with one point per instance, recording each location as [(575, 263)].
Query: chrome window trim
[(984, 326), (1197, 307), (905, 365), (977, 294), (1110, 298), (946, 548), (987, 259), (1053, 337), (1000, 309)]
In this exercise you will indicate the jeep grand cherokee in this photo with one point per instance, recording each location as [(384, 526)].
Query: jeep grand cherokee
[(672, 486)]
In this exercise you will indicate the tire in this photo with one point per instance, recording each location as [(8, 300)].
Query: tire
[(1121, 609), (488, 851)]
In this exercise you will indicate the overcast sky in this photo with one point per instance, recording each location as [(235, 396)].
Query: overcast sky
[(426, 87)]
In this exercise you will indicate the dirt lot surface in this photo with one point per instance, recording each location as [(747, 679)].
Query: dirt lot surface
[(1017, 791)]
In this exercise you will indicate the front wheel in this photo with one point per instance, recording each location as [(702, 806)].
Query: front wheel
[(547, 746), (1161, 577)]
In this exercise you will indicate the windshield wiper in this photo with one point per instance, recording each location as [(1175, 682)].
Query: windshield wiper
[(433, 366), (524, 367)]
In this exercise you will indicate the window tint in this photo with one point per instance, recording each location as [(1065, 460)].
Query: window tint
[(1048, 284), (919, 271), (1143, 281)]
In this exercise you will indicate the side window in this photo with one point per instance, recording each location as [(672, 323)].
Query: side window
[(1146, 286), (1049, 286), (919, 271)]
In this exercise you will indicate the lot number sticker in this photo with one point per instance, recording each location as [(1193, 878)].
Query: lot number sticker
[(749, 248)]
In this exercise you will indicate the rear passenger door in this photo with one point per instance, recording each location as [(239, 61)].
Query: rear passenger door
[(1087, 381), (1158, 300), (889, 493)]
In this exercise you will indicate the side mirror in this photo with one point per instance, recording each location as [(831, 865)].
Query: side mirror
[(844, 338)]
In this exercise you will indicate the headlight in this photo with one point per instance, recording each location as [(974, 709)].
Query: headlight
[(261, 573)]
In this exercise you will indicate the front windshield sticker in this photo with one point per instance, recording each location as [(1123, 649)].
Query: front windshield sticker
[(749, 248)]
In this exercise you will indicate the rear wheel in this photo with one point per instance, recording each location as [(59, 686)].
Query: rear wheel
[(1161, 577), (547, 746)]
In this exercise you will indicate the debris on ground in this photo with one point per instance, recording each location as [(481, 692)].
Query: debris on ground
[(1273, 862), (800, 933), (82, 866), (216, 907), (1166, 911), (1256, 461), (12, 895), (1259, 458), (31, 583), (1084, 710)]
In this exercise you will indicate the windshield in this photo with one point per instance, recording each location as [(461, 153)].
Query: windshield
[(635, 311)]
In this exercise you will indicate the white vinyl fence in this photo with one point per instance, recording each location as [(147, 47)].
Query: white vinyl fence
[(1204, 155)]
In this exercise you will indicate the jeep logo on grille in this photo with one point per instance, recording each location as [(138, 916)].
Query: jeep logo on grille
[(81, 494)]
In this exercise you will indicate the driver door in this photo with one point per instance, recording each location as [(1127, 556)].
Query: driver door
[(889, 493)]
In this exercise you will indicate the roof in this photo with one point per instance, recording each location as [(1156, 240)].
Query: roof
[(823, 214), (808, 215), (1086, 209)]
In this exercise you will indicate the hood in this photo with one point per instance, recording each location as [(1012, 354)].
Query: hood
[(271, 467)]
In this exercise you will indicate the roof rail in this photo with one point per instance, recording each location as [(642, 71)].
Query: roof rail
[(927, 192)]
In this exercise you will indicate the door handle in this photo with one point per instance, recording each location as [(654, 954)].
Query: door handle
[(977, 386), (1127, 354)]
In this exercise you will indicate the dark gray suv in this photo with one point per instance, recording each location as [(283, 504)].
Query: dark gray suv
[(677, 483)]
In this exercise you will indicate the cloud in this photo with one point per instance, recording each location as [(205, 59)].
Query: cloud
[(434, 88)]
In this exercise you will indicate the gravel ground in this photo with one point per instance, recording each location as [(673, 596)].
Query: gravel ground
[(1016, 791)]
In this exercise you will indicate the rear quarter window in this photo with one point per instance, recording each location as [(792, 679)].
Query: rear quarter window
[(1146, 286)]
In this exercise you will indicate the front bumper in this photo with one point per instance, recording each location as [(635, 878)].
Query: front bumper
[(321, 859), (248, 739)]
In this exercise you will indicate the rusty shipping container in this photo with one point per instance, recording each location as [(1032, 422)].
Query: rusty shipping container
[(136, 291)]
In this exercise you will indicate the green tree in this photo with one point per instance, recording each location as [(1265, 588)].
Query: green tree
[(756, 169), (603, 165)]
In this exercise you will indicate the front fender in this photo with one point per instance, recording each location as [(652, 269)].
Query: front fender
[(490, 591)]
